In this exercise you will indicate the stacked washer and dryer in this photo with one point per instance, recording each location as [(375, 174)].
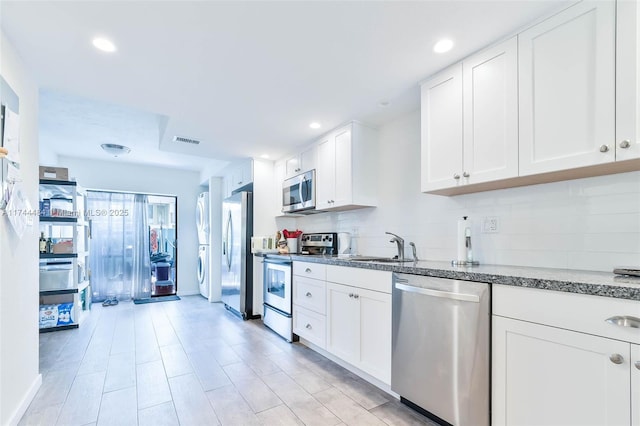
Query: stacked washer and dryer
[(202, 222)]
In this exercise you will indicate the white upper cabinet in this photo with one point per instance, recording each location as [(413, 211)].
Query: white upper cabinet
[(238, 175), (470, 120), (567, 89), (301, 162), (346, 171), (628, 80), (441, 132), (490, 98)]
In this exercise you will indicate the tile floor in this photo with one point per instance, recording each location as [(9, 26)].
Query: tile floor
[(190, 362)]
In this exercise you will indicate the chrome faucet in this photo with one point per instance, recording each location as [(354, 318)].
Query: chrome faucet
[(400, 242)]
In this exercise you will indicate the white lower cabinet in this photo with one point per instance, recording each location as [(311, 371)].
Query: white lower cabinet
[(309, 306), (347, 312), (549, 376), (359, 328), (545, 373)]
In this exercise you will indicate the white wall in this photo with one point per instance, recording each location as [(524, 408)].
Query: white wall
[(215, 238), (115, 176), (19, 378), (588, 224)]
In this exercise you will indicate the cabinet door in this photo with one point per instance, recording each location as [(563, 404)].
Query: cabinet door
[(549, 376), (326, 173), (308, 159), (293, 166), (635, 385), (343, 170), (375, 334), (628, 80), (343, 323), (441, 133), (491, 114), (567, 94)]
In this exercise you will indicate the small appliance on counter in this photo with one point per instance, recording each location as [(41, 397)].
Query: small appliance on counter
[(264, 245)]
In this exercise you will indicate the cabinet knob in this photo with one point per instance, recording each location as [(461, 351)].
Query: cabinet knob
[(308, 271), (308, 326), (625, 144), (355, 296), (456, 176), (637, 364), (308, 294), (465, 174), (240, 183), (604, 148), (350, 294), (616, 359)]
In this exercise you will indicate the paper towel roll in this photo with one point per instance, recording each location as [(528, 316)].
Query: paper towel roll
[(463, 224)]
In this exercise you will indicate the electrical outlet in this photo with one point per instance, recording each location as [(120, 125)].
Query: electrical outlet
[(490, 225)]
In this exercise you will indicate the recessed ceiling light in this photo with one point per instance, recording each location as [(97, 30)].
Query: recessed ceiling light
[(383, 104), (443, 45), (314, 125), (103, 44), (265, 156), (115, 150)]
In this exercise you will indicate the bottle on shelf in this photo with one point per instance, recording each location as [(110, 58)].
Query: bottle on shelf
[(43, 243), (49, 245)]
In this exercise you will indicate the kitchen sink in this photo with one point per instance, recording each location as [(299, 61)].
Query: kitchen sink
[(378, 259)]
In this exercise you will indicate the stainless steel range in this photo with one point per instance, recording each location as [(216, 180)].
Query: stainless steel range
[(320, 243), (278, 297)]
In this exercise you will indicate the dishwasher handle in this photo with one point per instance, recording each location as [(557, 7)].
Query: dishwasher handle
[(436, 293)]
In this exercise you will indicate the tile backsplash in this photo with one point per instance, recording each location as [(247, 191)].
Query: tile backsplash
[(588, 224)]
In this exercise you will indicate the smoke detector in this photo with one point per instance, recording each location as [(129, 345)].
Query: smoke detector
[(115, 150), (186, 140)]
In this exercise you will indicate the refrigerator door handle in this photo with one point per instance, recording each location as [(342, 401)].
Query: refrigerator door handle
[(225, 242), (229, 241)]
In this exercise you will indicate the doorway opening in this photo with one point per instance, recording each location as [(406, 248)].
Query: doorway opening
[(134, 252)]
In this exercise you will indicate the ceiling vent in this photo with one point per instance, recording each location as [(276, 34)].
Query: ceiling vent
[(186, 140)]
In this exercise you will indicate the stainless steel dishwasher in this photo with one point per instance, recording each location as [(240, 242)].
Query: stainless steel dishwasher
[(441, 348)]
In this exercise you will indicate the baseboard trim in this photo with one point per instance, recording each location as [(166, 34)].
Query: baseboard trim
[(26, 401), (355, 370)]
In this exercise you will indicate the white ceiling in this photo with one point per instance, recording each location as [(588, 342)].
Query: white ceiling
[(246, 78)]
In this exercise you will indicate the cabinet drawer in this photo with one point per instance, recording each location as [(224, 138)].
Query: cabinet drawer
[(310, 294), (358, 277), (317, 271), (310, 325), (578, 312)]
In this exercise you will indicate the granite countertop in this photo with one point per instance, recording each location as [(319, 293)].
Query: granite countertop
[(573, 281)]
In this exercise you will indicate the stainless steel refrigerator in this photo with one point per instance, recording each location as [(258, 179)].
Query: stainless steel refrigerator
[(237, 262)]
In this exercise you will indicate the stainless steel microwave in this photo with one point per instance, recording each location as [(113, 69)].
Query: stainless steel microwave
[(299, 193)]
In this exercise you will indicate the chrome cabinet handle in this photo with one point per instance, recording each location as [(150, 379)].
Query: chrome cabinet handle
[(308, 271), (624, 321), (625, 144), (604, 148), (637, 364), (308, 326), (456, 176), (308, 294), (465, 174), (616, 358)]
